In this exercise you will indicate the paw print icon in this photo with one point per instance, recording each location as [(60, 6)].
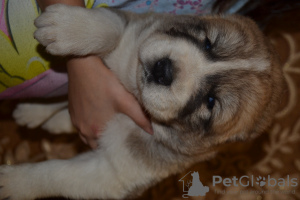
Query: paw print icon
[(261, 181)]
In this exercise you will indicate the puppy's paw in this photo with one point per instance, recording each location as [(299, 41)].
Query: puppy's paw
[(33, 115), (59, 123), (8, 189), (61, 29), (17, 183), (30, 115)]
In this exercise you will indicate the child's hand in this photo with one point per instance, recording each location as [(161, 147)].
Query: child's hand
[(95, 96)]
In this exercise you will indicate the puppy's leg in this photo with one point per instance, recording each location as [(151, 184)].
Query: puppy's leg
[(70, 30), (77, 178), (54, 118), (90, 176)]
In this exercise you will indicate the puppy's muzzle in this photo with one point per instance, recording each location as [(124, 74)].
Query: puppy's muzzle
[(162, 72)]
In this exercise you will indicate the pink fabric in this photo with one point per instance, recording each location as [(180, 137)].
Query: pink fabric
[(2, 19), (51, 83), (47, 84)]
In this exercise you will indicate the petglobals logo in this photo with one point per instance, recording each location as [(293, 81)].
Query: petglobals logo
[(192, 185), (246, 181)]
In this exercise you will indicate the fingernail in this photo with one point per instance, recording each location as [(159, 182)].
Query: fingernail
[(150, 130)]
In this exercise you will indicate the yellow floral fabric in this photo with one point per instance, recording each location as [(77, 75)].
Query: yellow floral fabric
[(21, 57)]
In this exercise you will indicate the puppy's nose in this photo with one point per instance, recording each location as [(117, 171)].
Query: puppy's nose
[(162, 72)]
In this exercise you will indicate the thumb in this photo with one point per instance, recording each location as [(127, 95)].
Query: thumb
[(131, 107)]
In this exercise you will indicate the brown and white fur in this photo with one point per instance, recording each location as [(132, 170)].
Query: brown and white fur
[(203, 80)]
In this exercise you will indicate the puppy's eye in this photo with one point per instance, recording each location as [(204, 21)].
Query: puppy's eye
[(207, 44), (210, 102)]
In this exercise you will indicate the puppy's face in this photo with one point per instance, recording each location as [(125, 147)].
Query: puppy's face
[(213, 77)]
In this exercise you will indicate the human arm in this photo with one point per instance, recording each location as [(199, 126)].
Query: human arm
[(44, 3), (95, 94)]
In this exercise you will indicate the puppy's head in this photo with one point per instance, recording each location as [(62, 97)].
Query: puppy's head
[(212, 79)]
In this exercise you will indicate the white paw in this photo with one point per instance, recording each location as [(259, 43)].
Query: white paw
[(30, 115), (60, 123), (33, 115), (8, 186), (61, 28), (5, 190)]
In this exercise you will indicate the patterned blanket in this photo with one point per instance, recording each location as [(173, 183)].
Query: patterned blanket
[(24, 65)]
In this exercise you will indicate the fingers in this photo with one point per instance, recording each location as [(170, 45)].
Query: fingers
[(126, 103), (83, 138), (93, 101), (91, 141), (93, 144), (131, 107)]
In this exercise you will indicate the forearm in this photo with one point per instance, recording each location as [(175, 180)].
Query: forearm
[(95, 93), (44, 3)]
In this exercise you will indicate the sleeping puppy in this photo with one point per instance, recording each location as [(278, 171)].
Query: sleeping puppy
[(203, 80)]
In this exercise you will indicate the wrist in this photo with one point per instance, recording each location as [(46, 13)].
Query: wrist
[(81, 66), (44, 3)]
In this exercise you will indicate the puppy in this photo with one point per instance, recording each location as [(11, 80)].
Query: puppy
[(203, 80)]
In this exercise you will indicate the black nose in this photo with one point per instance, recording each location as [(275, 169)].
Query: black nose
[(162, 72)]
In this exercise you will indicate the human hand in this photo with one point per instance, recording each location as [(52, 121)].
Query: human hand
[(95, 96), (95, 93)]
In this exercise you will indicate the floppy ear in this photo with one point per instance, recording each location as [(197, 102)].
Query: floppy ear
[(277, 88)]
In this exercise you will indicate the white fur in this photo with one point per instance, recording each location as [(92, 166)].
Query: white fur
[(111, 171), (33, 115), (118, 168)]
